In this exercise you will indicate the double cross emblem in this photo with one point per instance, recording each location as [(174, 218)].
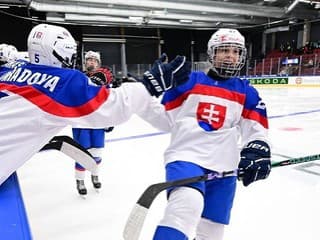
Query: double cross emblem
[(211, 116)]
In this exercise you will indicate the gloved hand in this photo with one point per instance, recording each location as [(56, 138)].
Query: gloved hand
[(125, 79), (182, 75), (101, 76), (116, 82), (108, 129), (255, 163), (161, 76), (129, 78)]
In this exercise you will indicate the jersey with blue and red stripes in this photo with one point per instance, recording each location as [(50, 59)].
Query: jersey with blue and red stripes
[(211, 119), (37, 102)]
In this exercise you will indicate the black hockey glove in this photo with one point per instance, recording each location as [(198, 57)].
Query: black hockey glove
[(129, 78), (108, 129), (162, 76), (98, 78), (102, 76), (125, 79), (116, 82), (255, 162)]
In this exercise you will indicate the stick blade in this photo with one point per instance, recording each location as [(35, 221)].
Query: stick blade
[(78, 155), (135, 222)]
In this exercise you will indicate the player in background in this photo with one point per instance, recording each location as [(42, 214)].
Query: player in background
[(9, 53), (40, 98), (211, 112), (92, 139)]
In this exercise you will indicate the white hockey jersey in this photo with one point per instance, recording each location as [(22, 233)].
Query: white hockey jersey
[(37, 102), (210, 117)]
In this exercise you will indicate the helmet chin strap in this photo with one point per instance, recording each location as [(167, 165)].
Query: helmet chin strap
[(65, 64), (213, 73), (223, 73)]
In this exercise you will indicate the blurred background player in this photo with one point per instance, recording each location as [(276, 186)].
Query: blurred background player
[(210, 112), (9, 53), (92, 139)]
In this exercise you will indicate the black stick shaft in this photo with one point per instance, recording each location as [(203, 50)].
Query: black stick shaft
[(298, 160)]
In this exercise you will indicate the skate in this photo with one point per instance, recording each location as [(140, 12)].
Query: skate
[(81, 188), (95, 181)]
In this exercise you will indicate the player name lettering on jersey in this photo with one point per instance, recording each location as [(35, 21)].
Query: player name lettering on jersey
[(30, 78)]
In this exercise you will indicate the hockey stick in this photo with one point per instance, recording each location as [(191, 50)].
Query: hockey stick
[(138, 214), (137, 217), (297, 160), (71, 148), (281, 155)]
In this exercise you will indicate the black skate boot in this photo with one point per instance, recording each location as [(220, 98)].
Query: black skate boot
[(95, 181), (81, 187)]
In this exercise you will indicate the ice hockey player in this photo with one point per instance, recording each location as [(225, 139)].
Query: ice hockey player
[(40, 98), (92, 139), (8, 53), (210, 111)]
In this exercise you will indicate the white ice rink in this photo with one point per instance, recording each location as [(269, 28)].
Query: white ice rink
[(286, 206)]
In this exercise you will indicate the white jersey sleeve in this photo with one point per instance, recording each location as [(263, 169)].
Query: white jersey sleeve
[(121, 104), (37, 102)]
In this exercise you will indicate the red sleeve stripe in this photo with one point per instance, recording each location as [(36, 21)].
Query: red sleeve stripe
[(200, 89), (177, 102), (253, 115), (49, 105)]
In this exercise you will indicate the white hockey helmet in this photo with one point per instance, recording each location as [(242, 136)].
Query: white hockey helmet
[(222, 39), (94, 55), (8, 53), (52, 46)]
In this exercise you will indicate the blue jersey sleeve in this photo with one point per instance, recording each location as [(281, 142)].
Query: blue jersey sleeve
[(58, 91), (254, 107)]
